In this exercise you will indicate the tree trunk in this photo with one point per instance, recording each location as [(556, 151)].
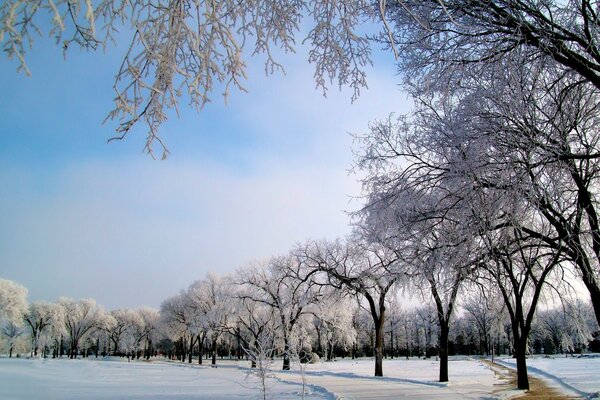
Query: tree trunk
[(443, 349), (392, 341), (214, 352), (258, 352), (191, 349), (200, 349), (378, 350), (520, 356), (595, 299), (149, 349), (286, 354)]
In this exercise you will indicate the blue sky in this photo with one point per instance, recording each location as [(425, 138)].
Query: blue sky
[(83, 218)]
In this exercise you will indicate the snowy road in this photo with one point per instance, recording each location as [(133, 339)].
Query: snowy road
[(578, 376), (413, 379)]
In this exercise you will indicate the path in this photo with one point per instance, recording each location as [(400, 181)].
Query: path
[(355, 387)]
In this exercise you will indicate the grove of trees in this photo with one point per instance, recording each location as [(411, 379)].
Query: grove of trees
[(480, 201)]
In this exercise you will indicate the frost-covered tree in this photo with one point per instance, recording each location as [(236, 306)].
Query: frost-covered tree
[(281, 284), (11, 332), (212, 300), (485, 311), (333, 322), (440, 39), (13, 301), (81, 318), (525, 74), (255, 322), (184, 48), (578, 326), (431, 234), (361, 269), (519, 267), (40, 319), (13, 306), (181, 322), (132, 331), (150, 329), (117, 324)]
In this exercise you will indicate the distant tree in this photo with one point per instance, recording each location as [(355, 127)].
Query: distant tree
[(13, 301), (361, 269), (181, 322), (150, 329), (333, 321), (82, 317), (213, 297), (117, 323), (39, 319), (255, 322), (485, 311), (279, 284), (13, 306), (11, 332)]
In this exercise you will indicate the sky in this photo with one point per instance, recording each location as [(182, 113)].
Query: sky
[(85, 219)]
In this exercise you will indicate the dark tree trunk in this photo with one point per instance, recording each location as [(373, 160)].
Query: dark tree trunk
[(149, 351), (595, 298), (253, 358), (200, 348), (521, 357), (286, 354), (214, 352), (191, 349), (443, 349), (379, 346)]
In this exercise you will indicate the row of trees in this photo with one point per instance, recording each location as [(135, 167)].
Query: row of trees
[(492, 179), (289, 306)]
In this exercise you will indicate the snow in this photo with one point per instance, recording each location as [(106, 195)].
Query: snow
[(116, 379), (33, 379), (572, 375), (414, 378)]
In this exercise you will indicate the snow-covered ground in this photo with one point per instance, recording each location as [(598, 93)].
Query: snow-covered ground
[(405, 379), (572, 375), (342, 379), (26, 379)]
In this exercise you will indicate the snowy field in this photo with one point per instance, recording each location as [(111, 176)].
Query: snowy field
[(23, 379), (64, 379)]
